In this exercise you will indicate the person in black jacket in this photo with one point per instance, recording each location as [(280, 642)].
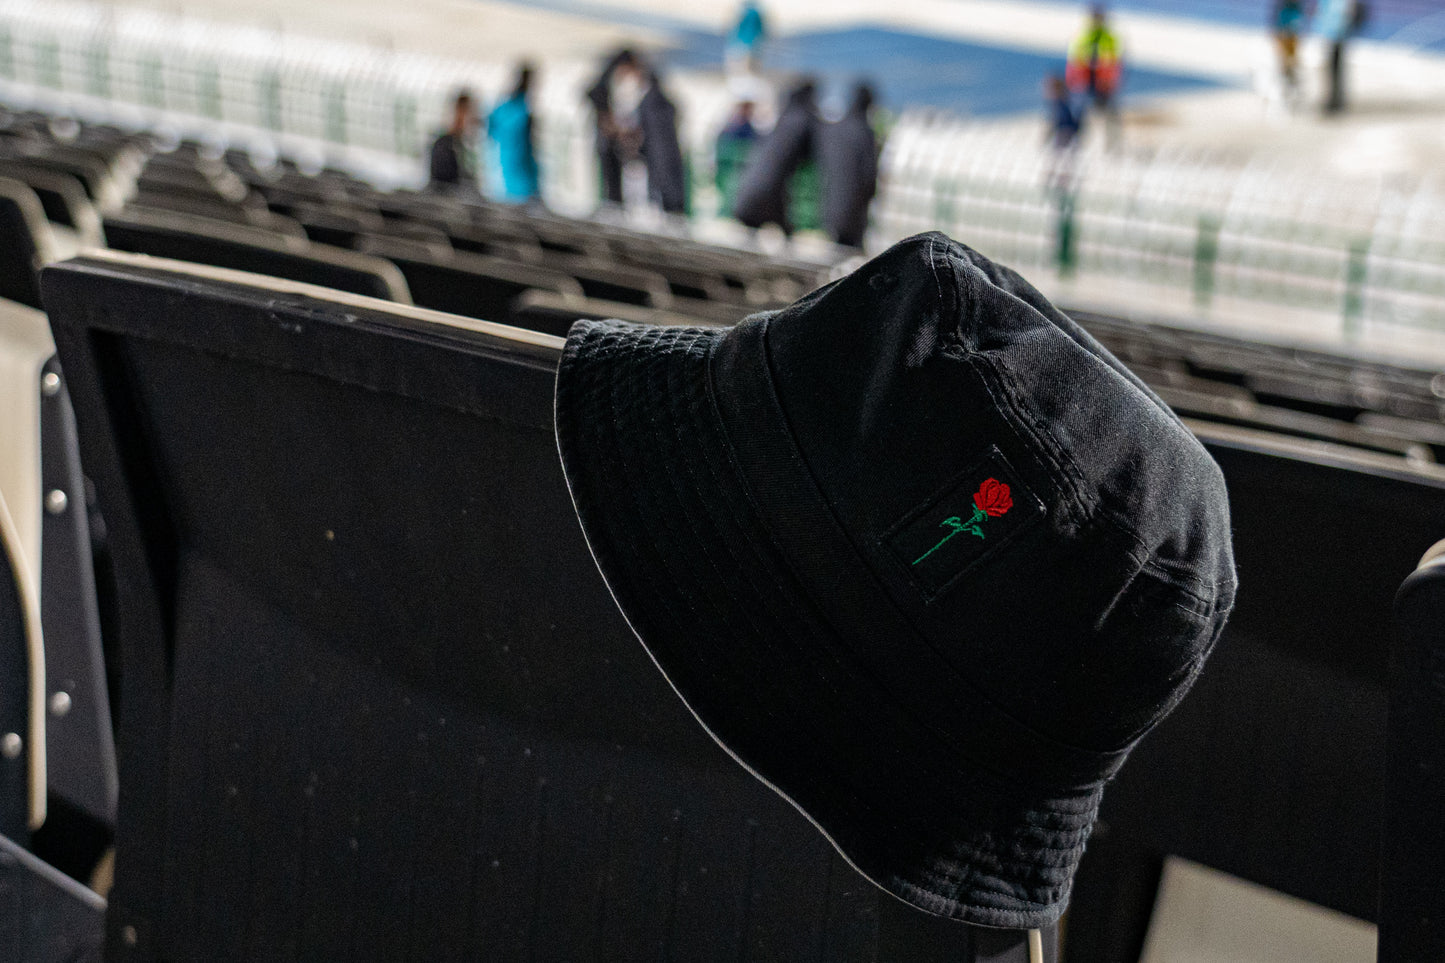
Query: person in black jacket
[(666, 179), (451, 164), (617, 134), (763, 190), (848, 162)]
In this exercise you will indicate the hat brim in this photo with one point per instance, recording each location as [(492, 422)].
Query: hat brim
[(674, 531)]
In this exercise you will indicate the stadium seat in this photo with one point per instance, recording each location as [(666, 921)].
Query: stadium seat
[(214, 208), (610, 282), (94, 175), (1270, 770), (1412, 910), (473, 285), (62, 197), (494, 240), (25, 242), (554, 314), (711, 312), (49, 917), (21, 731), (41, 482), (1229, 409), (1431, 433), (25, 347), (378, 703), (201, 240), (80, 745), (339, 228), (696, 283), (185, 177)]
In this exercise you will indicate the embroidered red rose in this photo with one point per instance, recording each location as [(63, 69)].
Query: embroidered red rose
[(993, 497), (990, 501)]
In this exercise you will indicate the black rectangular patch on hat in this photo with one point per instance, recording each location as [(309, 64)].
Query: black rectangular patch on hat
[(964, 523)]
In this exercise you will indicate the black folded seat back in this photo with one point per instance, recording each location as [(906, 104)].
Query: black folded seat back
[(377, 702), (22, 221), (15, 669), (201, 240)]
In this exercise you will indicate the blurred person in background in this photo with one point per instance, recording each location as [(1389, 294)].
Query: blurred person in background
[(1066, 122), (510, 126), (735, 144), (661, 152), (452, 164), (747, 37), (1096, 68), (615, 98), (763, 189), (1289, 16), (739, 125), (1336, 21), (848, 163)]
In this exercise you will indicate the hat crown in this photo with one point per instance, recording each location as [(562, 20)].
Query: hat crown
[(932, 375)]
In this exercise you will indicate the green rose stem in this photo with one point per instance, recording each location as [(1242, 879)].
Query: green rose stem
[(958, 528)]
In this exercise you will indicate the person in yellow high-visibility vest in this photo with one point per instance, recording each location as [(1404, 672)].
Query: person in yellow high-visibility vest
[(1096, 67)]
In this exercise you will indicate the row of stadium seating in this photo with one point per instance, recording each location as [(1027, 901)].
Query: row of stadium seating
[(372, 693), (452, 253), (539, 271)]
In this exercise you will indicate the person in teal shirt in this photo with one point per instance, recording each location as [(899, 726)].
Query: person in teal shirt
[(1337, 21), (747, 37), (510, 128)]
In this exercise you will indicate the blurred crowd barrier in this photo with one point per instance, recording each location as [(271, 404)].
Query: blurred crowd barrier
[(1197, 227), (362, 107), (1364, 252)]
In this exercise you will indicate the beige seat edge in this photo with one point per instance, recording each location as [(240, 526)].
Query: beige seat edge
[(25, 347)]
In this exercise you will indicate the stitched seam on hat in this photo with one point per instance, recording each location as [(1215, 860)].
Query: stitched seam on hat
[(1023, 417), (1025, 423), (1148, 562), (1187, 585), (1182, 572), (1187, 571), (938, 282), (950, 334), (1172, 572), (1204, 605)]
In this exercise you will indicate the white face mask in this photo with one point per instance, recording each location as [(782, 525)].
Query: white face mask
[(627, 91)]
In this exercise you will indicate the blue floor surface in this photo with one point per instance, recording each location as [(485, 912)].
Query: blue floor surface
[(912, 70), (907, 69)]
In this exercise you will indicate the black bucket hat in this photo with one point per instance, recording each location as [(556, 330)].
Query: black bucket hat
[(916, 550)]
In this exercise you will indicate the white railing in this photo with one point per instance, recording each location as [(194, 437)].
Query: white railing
[(353, 105), (1366, 252)]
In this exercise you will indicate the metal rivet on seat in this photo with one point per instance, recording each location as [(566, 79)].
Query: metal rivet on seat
[(50, 384), (55, 501), (60, 704), (11, 744)]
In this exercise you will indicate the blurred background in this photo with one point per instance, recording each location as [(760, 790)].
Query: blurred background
[(1242, 198), (1210, 172)]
